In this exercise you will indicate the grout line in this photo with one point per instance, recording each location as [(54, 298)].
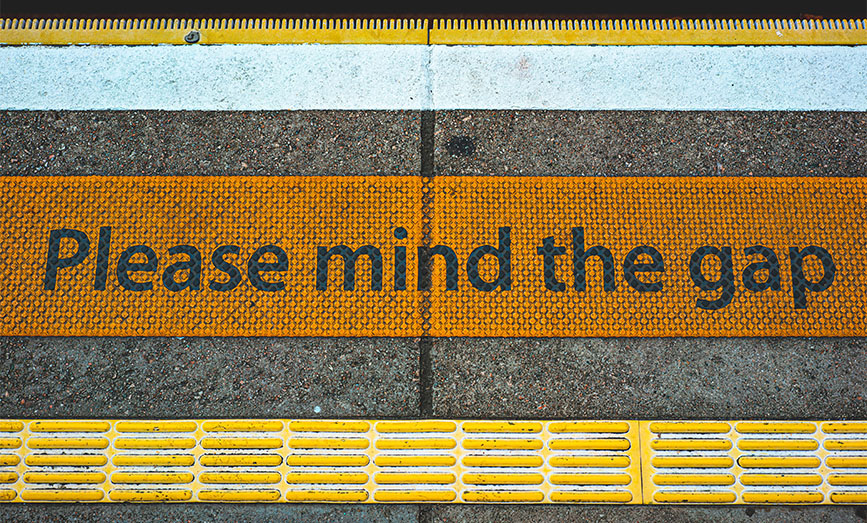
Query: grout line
[(425, 343)]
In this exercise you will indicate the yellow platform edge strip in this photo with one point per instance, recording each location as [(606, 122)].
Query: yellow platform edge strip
[(437, 31), (507, 256), (436, 460)]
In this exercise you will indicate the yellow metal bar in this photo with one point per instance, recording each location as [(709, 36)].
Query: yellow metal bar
[(505, 470), (440, 31)]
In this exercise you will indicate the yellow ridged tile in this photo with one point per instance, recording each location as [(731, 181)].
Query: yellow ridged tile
[(65, 460), (242, 426), (11, 426), (774, 462), (329, 443), (503, 496), (155, 426), (384, 478), (8, 494), (241, 460), (241, 443), (844, 427), (151, 477), (64, 477), (154, 443), (416, 426), (676, 496), (329, 426), (408, 496), (338, 478), (502, 426), (153, 460), (415, 443), (778, 444), (849, 497), (67, 443), (150, 495), (590, 461), (239, 477), (8, 477), (780, 479), (560, 427), (694, 479), (697, 427), (70, 426), (582, 496), (590, 479), (692, 462), (230, 495), (690, 444), (846, 444), (502, 479), (331, 460), (502, 444), (61, 495), (10, 443), (848, 479), (9, 459), (589, 444), (345, 496), (502, 461), (846, 462), (782, 497), (415, 461), (770, 427)]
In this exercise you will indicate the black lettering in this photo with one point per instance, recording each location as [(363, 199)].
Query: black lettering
[(630, 268), (800, 283), (549, 251), (579, 260), (125, 267), (103, 250), (193, 264), (400, 261), (726, 281), (350, 257), (504, 256), (425, 269), (220, 263), (53, 261), (255, 266), (757, 270)]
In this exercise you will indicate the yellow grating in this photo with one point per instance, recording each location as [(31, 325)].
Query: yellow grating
[(345, 256), (414, 461), (439, 31)]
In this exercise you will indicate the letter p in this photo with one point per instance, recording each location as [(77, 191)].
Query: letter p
[(55, 262)]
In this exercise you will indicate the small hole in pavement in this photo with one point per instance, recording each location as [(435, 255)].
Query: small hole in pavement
[(461, 146)]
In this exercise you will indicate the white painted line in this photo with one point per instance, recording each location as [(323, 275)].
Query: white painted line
[(413, 77)]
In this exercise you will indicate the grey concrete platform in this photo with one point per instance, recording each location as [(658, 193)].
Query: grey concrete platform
[(772, 378)]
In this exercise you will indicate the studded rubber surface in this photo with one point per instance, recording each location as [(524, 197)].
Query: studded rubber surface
[(452, 461), (401, 256)]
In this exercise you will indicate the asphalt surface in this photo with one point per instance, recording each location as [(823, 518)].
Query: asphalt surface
[(767, 378)]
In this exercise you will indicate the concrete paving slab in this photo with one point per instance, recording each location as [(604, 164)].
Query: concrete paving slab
[(644, 514), (209, 142), (579, 143), (650, 378), (208, 377), (207, 512)]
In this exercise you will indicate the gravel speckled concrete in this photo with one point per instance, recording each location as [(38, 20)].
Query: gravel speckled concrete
[(225, 512), (209, 142), (208, 377), (651, 378), (645, 514), (651, 142)]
